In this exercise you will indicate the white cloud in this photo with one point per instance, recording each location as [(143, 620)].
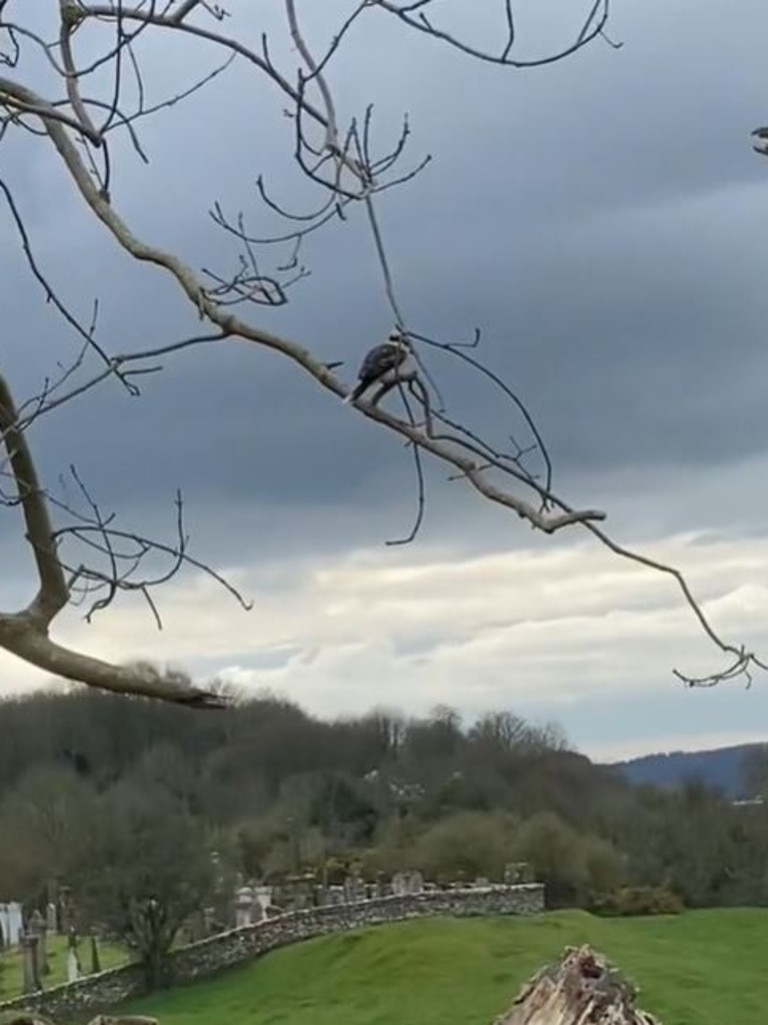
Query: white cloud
[(545, 631)]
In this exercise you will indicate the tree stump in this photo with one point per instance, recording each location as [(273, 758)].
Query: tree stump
[(579, 989)]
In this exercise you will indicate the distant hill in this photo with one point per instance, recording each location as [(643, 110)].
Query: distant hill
[(721, 768)]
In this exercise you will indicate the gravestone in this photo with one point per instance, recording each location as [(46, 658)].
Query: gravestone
[(51, 918), (354, 889), (38, 928), (66, 910), (30, 967), (11, 921), (414, 882), (244, 901), (74, 968), (209, 920), (299, 891), (263, 895), (399, 884), (404, 884), (73, 965), (335, 895), (95, 959), (516, 872)]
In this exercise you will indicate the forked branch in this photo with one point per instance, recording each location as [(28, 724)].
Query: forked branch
[(26, 633)]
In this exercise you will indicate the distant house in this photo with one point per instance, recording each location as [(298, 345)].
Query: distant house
[(11, 922)]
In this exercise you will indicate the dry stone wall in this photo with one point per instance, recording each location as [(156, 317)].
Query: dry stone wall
[(207, 957)]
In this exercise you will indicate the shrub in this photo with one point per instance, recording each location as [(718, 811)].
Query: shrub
[(639, 900)]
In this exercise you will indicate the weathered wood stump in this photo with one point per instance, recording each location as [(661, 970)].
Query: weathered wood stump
[(579, 989)]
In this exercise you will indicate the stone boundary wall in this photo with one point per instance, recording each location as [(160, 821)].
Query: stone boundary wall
[(99, 992)]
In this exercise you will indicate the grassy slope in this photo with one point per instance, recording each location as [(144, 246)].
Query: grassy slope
[(11, 972), (702, 968)]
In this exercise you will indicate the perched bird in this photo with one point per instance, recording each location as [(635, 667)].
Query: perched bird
[(385, 365)]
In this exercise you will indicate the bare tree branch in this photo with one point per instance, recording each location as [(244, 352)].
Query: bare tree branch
[(52, 595), (25, 633), (21, 101), (413, 15), (347, 170)]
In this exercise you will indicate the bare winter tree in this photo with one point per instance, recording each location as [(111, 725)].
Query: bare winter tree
[(78, 105)]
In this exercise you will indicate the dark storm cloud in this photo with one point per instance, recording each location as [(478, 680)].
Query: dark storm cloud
[(600, 219)]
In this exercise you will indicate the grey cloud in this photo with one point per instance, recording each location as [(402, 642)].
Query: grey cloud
[(596, 218)]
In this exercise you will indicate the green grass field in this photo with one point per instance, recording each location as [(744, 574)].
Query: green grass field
[(701, 968), (11, 972)]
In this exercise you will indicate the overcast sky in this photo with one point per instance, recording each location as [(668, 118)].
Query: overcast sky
[(602, 220)]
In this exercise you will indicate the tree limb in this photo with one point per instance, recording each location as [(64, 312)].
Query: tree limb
[(25, 101), (20, 636), (53, 593), (25, 633)]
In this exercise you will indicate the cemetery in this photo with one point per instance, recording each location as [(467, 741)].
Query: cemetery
[(261, 918)]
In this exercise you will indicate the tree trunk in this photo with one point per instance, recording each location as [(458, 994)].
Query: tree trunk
[(581, 987)]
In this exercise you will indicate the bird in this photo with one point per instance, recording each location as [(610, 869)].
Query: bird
[(385, 364), (761, 146)]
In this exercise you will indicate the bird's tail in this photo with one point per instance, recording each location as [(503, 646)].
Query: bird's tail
[(355, 394)]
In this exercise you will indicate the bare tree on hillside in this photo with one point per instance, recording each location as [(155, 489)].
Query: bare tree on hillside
[(78, 85)]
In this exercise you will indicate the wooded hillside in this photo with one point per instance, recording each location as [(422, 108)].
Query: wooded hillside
[(274, 791)]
